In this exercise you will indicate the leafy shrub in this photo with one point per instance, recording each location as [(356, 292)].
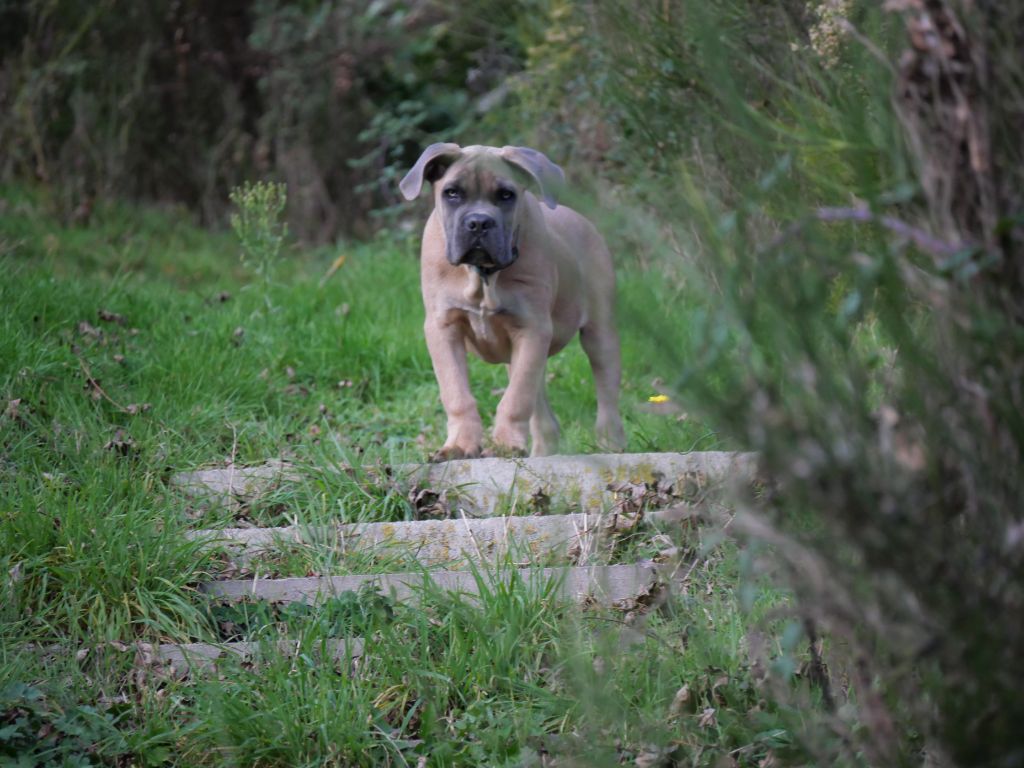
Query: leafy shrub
[(35, 730), (859, 325), (183, 102)]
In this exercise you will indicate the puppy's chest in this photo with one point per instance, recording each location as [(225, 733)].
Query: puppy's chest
[(486, 330)]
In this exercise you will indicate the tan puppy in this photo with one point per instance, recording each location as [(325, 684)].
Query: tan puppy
[(513, 281)]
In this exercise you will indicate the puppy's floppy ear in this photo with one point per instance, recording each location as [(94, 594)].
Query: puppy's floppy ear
[(434, 158), (549, 177)]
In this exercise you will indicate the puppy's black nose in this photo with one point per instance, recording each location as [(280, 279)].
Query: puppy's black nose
[(478, 222)]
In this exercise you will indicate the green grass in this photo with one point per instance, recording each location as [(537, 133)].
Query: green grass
[(121, 363)]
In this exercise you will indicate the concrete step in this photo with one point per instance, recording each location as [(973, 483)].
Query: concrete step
[(444, 542), (608, 584), (590, 483), (480, 487), (182, 659), (224, 485)]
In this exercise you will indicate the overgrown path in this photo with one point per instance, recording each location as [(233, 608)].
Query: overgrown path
[(485, 606), (552, 524)]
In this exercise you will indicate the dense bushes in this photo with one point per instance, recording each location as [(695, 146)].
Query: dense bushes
[(848, 190), (180, 102)]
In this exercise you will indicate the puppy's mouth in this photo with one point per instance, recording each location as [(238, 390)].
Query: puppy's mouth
[(484, 262)]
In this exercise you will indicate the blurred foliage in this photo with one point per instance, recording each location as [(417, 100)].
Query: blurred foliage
[(38, 731), (183, 101), (836, 178)]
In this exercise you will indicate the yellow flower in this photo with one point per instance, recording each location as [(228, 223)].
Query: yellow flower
[(657, 399)]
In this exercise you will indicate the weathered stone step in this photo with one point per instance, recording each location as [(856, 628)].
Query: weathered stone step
[(489, 486), (183, 658), (586, 482), (236, 483), (606, 584), (439, 542)]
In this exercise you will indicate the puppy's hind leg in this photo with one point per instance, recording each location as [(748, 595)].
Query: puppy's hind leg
[(544, 431), (600, 341)]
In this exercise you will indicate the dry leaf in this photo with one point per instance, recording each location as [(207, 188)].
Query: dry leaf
[(652, 757), (11, 412), (92, 386), (667, 555), (540, 502), (639, 605), (111, 317), (681, 702), (335, 266), (429, 504), (85, 328), (122, 442)]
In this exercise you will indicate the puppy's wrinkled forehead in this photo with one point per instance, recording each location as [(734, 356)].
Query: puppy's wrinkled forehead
[(528, 167), (481, 174)]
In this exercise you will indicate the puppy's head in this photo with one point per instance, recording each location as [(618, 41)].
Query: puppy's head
[(478, 192)]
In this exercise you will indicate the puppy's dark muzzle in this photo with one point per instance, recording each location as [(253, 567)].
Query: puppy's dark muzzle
[(478, 224), (482, 245), (480, 258), (487, 263)]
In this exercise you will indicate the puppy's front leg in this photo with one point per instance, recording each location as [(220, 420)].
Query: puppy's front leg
[(525, 379), (448, 355)]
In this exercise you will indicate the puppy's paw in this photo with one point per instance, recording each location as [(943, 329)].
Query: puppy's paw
[(611, 437), (510, 439), (454, 452)]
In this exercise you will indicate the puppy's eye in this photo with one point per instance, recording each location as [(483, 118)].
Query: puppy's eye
[(504, 195), (452, 193)]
